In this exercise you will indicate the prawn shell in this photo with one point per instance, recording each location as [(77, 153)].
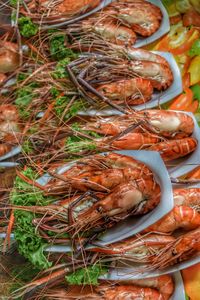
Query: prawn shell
[(173, 149)]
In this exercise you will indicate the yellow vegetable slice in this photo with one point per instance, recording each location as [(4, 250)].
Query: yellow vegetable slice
[(183, 5), (194, 70)]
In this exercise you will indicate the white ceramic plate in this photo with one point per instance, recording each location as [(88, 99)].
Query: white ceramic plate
[(133, 225), (158, 97)]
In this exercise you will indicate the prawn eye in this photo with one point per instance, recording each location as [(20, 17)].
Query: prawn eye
[(100, 209)]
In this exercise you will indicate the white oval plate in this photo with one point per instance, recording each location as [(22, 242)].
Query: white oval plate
[(133, 225), (158, 97)]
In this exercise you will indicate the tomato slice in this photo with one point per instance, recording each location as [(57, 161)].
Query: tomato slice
[(182, 101)]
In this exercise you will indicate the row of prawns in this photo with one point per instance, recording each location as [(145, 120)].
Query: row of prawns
[(158, 247), (168, 132), (120, 21), (119, 77), (158, 288)]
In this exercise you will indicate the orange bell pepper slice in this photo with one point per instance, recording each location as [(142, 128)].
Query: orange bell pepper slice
[(193, 107), (191, 36), (186, 81), (182, 101), (163, 44)]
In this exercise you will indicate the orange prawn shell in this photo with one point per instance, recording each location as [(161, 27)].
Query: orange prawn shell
[(66, 7), (179, 217), (136, 13), (74, 6), (173, 149), (133, 91)]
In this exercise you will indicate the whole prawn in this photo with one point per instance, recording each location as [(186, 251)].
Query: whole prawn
[(125, 200), (101, 173), (114, 79), (104, 292), (140, 248), (169, 124), (142, 16), (62, 7)]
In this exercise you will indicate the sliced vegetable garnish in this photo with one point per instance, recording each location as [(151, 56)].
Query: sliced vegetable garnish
[(195, 49), (182, 101), (194, 70), (196, 91), (190, 37)]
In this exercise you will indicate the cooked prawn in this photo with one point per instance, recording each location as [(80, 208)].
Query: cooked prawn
[(132, 91), (164, 284), (139, 248), (105, 292), (130, 141), (179, 217), (63, 7), (173, 149), (142, 16), (101, 173), (166, 123), (184, 247), (108, 30)]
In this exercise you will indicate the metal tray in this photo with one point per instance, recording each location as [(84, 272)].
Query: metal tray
[(158, 97)]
